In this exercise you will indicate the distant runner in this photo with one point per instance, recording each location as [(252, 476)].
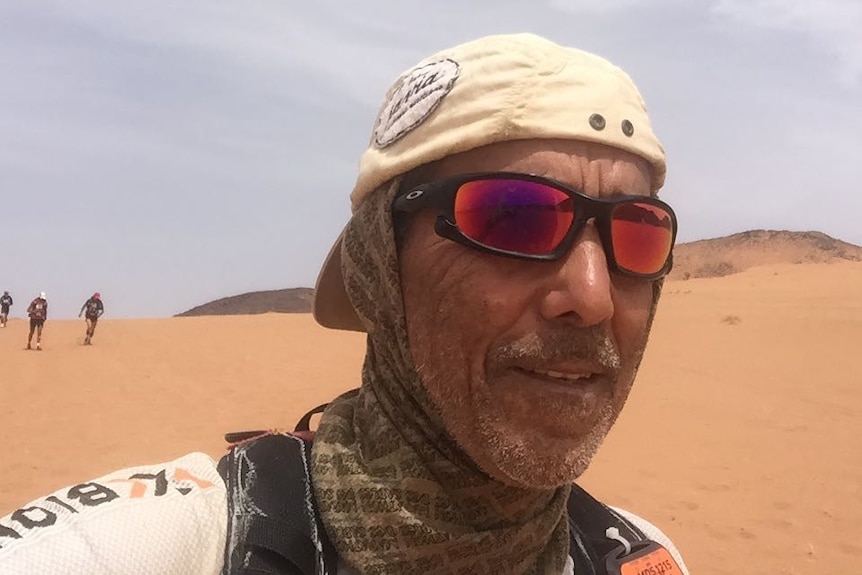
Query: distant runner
[(93, 310), (5, 303), (38, 312)]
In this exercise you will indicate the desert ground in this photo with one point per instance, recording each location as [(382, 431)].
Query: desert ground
[(738, 440)]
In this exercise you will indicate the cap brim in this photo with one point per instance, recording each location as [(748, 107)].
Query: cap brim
[(332, 307)]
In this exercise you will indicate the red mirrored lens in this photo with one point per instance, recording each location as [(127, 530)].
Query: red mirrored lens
[(513, 215), (642, 235)]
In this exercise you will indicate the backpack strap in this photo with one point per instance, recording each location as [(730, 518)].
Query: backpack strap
[(304, 424), (273, 526), (589, 520)]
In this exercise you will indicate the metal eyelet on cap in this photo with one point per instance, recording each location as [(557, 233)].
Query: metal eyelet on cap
[(413, 195), (597, 121), (628, 128)]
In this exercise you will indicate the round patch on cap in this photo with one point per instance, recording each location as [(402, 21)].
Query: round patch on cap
[(413, 99)]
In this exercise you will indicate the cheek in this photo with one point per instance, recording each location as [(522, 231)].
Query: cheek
[(452, 313), (632, 306), (457, 304)]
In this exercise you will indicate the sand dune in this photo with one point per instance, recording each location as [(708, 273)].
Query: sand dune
[(739, 439)]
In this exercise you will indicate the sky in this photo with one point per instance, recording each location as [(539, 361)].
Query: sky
[(170, 153)]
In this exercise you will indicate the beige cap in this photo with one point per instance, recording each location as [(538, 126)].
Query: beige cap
[(494, 89)]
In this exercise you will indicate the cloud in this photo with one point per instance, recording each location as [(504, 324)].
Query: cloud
[(263, 35), (604, 6), (831, 25)]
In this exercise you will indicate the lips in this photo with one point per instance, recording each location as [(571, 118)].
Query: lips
[(564, 371), (562, 375), (566, 377)]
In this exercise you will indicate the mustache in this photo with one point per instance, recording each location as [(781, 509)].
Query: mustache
[(592, 346)]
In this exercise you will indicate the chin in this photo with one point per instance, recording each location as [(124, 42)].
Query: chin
[(536, 456)]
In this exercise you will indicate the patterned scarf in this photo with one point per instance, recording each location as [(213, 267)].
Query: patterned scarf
[(396, 494)]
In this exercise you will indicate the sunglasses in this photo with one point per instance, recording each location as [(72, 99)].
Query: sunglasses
[(534, 218)]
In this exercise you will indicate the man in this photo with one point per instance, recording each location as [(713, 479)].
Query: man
[(38, 313), (94, 309), (505, 257), (5, 304)]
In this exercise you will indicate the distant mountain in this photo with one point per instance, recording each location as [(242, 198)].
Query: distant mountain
[(293, 300), (701, 259), (732, 254)]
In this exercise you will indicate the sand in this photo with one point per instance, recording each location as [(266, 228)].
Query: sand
[(738, 440)]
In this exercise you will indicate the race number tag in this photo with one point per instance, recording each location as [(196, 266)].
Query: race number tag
[(649, 559)]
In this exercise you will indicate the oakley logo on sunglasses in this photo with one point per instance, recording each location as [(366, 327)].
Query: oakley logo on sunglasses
[(535, 218)]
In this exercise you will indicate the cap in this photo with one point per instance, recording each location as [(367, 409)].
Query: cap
[(494, 89)]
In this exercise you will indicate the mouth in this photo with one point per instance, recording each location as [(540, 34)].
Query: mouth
[(572, 384), (561, 375), (568, 376)]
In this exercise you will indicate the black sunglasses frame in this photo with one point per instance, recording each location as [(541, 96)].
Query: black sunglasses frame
[(440, 194)]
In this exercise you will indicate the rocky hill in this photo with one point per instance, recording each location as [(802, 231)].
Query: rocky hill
[(732, 254), (293, 300)]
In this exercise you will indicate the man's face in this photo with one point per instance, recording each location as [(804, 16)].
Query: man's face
[(529, 363)]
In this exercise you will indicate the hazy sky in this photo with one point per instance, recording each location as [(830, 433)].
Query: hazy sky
[(170, 153)]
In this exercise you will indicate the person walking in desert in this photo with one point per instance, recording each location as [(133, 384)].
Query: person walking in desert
[(6, 303), (93, 309), (38, 313)]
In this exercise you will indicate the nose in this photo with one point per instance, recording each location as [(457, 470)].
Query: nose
[(580, 288)]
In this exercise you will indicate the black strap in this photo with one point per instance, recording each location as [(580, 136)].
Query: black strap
[(272, 525), (304, 423), (589, 520)]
